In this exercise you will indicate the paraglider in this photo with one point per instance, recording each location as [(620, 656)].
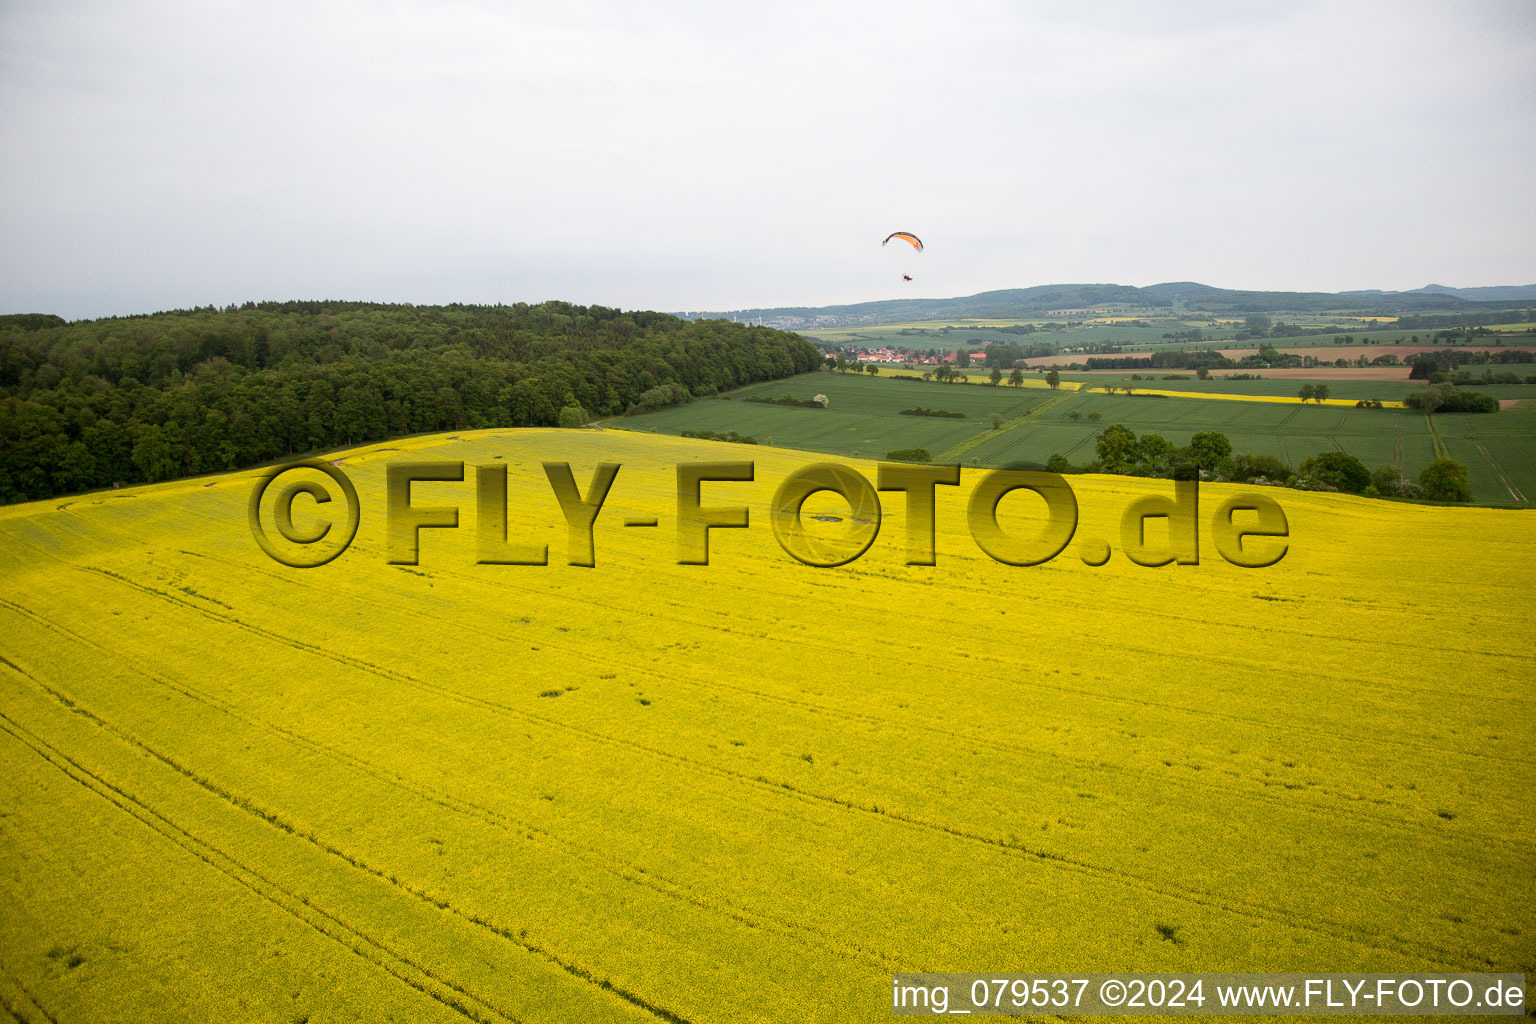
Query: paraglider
[(910, 239)]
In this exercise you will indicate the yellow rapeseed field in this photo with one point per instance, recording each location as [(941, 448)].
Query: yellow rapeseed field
[(744, 791), (1291, 399)]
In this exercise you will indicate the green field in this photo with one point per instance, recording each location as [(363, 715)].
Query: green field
[(1377, 437), (863, 419), (1500, 451)]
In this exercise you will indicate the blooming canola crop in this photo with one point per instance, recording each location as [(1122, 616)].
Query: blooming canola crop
[(752, 789)]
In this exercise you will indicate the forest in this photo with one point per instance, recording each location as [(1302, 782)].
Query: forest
[(122, 400)]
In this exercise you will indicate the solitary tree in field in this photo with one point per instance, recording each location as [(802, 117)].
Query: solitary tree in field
[(1016, 378), (1306, 393), (1053, 379), (872, 370), (997, 421), (995, 376), (1445, 480), (1320, 393)]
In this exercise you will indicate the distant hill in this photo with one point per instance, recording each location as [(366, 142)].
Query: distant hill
[(1495, 293), (1044, 299)]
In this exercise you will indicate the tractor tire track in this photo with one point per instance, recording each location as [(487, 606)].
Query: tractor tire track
[(1059, 689), (1441, 451), (7, 978), (1055, 689), (1504, 477), (1397, 449), (277, 821), (1188, 783), (1258, 910), (953, 453), (392, 962), (1337, 930), (980, 740), (1493, 463), (625, 870)]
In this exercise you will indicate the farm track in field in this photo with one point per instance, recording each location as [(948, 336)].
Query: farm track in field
[(1504, 478), (954, 453), (1441, 451), (1397, 449)]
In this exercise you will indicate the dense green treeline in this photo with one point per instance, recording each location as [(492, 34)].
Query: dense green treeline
[(134, 399)]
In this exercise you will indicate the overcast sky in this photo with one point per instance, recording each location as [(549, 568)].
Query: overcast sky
[(715, 155)]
